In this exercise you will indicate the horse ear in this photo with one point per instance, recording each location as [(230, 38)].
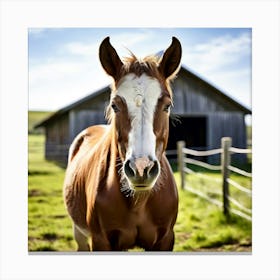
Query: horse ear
[(171, 58), (109, 58)]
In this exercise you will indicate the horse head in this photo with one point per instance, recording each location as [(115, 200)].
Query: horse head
[(139, 110)]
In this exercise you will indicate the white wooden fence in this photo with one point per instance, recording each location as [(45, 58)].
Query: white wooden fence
[(225, 181)]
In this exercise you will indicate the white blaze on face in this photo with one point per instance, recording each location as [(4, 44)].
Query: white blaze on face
[(141, 95)]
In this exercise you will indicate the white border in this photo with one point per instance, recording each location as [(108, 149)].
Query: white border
[(17, 16)]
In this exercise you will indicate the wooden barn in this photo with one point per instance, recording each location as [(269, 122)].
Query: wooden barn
[(203, 115)]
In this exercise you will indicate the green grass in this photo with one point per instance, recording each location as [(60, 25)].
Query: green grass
[(200, 226), (49, 227)]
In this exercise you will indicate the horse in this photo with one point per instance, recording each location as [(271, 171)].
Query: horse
[(119, 189)]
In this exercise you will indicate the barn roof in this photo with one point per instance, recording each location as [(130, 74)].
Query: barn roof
[(184, 71), (68, 108)]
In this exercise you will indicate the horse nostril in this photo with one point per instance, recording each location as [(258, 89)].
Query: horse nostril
[(129, 171), (142, 171), (154, 170)]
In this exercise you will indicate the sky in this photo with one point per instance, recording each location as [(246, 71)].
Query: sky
[(64, 64)]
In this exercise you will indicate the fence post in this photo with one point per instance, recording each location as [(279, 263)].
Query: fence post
[(225, 162), (180, 155)]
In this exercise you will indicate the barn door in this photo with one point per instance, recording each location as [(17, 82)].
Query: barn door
[(191, 129)]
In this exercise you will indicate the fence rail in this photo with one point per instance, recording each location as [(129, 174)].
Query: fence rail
[(202, 164), (225, 181), (239, 171), (201, 153)]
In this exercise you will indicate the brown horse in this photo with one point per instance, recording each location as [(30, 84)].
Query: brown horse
[(119, 188)]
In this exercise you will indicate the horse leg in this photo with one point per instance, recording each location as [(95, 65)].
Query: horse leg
[(81, 239), (166, 243), (100, 243)]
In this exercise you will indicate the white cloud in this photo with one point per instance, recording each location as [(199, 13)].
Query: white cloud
[(55, 84), (57, 93), (53, 71), (131, 40), (80, 48), (218, 53), (120, 41)]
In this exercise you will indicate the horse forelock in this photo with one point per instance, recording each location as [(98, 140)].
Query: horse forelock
[(138, 66)]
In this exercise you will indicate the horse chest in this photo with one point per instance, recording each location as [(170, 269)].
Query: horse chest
[(138, 230), (126, 227)]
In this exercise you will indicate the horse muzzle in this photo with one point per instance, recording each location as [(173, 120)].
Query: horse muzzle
[(141, 172)]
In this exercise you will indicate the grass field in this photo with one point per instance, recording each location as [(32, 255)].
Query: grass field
[(200, 226)]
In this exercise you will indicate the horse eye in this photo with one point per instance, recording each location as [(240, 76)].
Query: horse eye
[(167, 107), (115, 107)]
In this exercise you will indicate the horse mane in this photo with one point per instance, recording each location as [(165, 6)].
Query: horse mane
[(102, 152)]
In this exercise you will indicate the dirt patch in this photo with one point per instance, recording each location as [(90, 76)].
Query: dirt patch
[(228, 248), (35, 192), (59, 216), (38, 172)]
